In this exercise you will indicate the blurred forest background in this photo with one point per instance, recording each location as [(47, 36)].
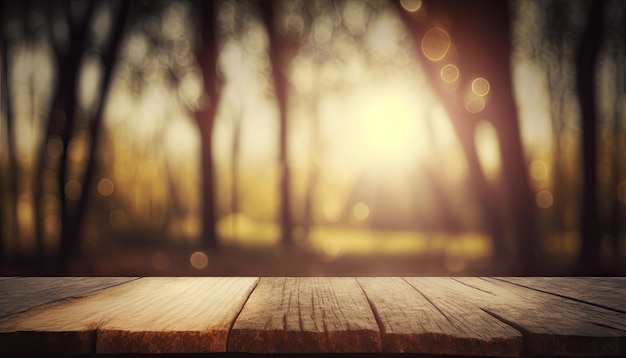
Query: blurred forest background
[(320, 137)]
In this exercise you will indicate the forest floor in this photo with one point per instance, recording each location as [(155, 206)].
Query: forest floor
[(264, 261)]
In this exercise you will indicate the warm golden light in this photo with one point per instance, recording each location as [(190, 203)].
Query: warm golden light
[(361, 211), (411, 5), (386, 127), (475, 104), (385, 133), (480, 87), (544, 199), (106, 187), (148, 169), (487, 146), (331, 211), (198, 260), (449, 73), (538, 170), (435, 44)]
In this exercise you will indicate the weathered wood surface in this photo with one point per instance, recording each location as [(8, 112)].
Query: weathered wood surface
[(552, 325), (423, 317), (306, 315), (428, 316), (601, 291), (186, 315), (21, 294), (151, 315), (441, 316)]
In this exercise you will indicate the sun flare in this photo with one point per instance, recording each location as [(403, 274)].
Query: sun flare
[(386, 129)]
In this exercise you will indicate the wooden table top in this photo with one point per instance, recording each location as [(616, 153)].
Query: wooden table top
[(499, 317)]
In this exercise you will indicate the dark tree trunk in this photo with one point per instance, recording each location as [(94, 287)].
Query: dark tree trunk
[(279, 60), (66, 107), (615, 224), (585, 90), (479, 33), (109, 58), (13, 167), (205, 117)]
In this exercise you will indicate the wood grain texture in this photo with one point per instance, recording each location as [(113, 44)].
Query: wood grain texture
[(552, 325), (21, 294), (306, 315), (605, 292), (150, 315), (176, 315), (427, 316)]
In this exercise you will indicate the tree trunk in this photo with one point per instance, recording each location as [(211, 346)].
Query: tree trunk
[(279, 61), (109, 58), (206, 56), (69, 245), (615, 224), (479, 38), (585, 76), (13, 171)]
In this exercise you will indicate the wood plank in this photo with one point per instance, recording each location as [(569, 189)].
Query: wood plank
[(605, 292), (21, 294), (426, 316), (552, 325), (306, 315), (150, 315)]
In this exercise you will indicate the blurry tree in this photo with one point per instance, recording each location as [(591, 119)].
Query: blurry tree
[(206, 56), (578, 41), (554, 56), (586, 59), (10, 189), (473, 36), (68, 30), (73, 210), (71, 227), (282, 48), (618, 48), (241, 15)]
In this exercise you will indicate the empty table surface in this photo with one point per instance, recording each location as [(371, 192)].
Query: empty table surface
[(493, 317)]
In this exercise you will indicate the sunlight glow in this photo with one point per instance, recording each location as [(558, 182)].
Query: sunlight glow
[(331, 211), (488, 148), (475, 104), (411, 5), (361, 211), (435, 44), (539, 170), (449, 73), (386, 129), (480, 87)]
